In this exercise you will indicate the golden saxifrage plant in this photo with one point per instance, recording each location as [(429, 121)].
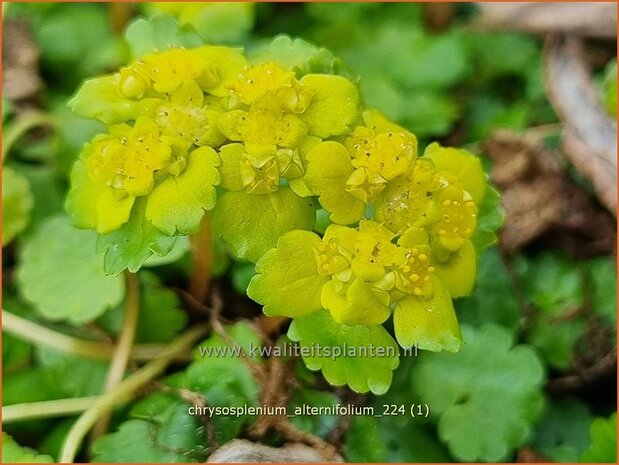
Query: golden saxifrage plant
[(263, 145)]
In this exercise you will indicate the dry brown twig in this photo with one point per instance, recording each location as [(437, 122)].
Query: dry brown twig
[(539, 198), (590, 19), (603, 367), (590, 135)]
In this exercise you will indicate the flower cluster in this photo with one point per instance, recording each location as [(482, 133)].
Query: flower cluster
[(263, 143), (410, 259), (176, 116)]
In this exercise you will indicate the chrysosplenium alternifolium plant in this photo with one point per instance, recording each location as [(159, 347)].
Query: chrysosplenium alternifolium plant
[(261, 144)]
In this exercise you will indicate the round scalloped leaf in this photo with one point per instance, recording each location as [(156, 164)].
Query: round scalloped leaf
[(493, 298), (485, 398), (17, 203), (603, 279), (288, 282), (298, 55), (251, 224), (162, 431), (63, 276), (563, 432), (177, 205), (159, 33), (216, 22), (161, 314), (603, 447), (490, 218), (360, 371), (14, 453)]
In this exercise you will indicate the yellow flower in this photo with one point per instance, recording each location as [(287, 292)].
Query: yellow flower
[(381, 147), (272, 85), (128, 158), (408, 200)]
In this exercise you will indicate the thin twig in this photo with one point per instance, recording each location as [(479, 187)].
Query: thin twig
[(126, 390), (605, 366), (46, 409), (121, 356), (213, 312), (40, 335), (24, 124), (195, 398), (293, 434)]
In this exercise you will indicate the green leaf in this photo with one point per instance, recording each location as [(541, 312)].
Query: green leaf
[(164, 433), (99, 99), (297, 55), (72, 376), (161, 316), (432, 62), (17, 203), (7, 109), (320, 425), (134, 243), (553, 282), (159, 33), (225, 380), (177, 204), (251, 224), (490, 218), (48, 191), (430, 113), (287, 281), (372, 439), (493, 299), (602, 275), (77, 37), (14, 453), (603, 446), (215, 22), (610, 88), (556, 339), (242, 274), (60, 273), (15, 353), (180, 250), (485, 398), (364, 443), (361, 371), (503, 53), (29, 385), (554, 286), (563, 433)]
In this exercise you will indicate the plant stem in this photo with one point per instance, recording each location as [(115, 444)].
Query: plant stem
[(119, 14), (126, 390), (121, 356), (45, 409), (202, 264), (37, 334), (24, 124)]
